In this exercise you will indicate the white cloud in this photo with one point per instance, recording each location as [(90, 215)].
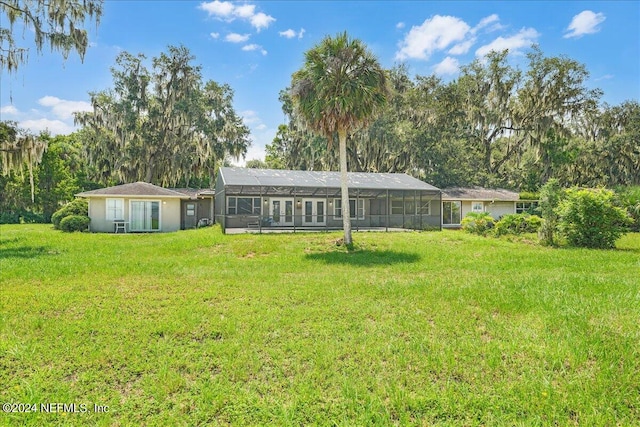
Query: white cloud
[(434, 34), (245, 11), (462, 48), (525, 38), (261, 20), (586, 22), (218, 8), (292, 33), (252, 47), (55, 127), (288, 33), (484, 22), (237, 38), (605, 77), (250, 117), (400, 25), (9, 110), (215, 35), (229, 11), (448, 66), (62, 108)]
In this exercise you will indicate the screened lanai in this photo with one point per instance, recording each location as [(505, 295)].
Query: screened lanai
[(266, 200)]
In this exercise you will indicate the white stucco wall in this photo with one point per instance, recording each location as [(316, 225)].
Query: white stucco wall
[(169, 213)]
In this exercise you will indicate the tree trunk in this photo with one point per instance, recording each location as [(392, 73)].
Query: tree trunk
[(344, 185)]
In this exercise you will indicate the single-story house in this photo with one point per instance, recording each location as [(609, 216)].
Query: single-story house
[(285, 199), (144, 207), (459, 201)]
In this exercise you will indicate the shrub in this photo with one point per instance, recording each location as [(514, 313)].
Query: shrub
[(76, 207), (518, 224), (21, 216), (590, 219), (550, 195), (477, 223), (630, 200), (73, 223)]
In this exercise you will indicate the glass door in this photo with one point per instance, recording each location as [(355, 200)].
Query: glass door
[(281, 211), (313, 212), (145, 216)]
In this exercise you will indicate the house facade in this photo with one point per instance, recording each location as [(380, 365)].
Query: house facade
[(290, 200), (459, 201), (144, 207)]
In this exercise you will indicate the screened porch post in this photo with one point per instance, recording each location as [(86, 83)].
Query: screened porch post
[(326, 207), (416, 207), (403, 206), (386, 222), (295, 203), (260, 216), (356, 209)]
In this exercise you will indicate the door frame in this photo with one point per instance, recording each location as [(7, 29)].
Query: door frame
[(282, 213), (314, 212)]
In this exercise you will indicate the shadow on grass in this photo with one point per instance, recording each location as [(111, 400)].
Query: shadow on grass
[(23, 251), (365, 257)]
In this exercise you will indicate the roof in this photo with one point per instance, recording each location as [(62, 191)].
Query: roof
[(478, 193), (233, 176), (139, 189), (193, 193)]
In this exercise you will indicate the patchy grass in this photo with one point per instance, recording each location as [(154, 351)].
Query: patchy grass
[(199, 328)]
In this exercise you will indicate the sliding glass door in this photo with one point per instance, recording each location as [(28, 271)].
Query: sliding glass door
[(145, 215)]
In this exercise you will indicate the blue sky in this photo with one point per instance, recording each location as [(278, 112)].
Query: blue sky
[(256, 46)]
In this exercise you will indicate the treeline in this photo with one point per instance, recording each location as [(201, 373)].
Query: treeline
[(160, 122), (493, 126)]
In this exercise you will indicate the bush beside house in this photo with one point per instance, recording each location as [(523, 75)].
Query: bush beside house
[(76, 208)]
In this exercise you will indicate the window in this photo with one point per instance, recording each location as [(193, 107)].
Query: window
[(451, 213), (477, 206), (424, 207), (115, 209), (353, 212), (526, 207), (410, 207), (397, 208), (145, 215), (243, 206)]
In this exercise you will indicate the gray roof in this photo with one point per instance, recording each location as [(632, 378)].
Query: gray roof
[(139, 189), (480, 194), (233, 176), (193, 193)]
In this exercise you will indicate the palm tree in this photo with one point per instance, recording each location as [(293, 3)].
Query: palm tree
[(340, 89)]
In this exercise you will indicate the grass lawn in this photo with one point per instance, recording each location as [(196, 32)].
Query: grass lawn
[(198, 328)]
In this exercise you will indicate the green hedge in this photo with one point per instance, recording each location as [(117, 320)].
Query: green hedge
[(73, 223), (76, 207)]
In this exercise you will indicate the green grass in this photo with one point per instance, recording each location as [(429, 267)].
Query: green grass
[(199, 328)]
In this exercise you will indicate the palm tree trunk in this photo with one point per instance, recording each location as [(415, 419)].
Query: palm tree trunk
[(344, 185)]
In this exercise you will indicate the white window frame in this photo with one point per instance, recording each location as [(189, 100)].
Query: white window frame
[(420, 207), (477, 207), (525, 206), (458, 203), (253, 205), (399, 205), (359, 204), (314, 212), (110, 213)]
